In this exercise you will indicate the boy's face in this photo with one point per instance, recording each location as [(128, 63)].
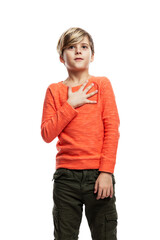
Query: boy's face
[(79, 50)]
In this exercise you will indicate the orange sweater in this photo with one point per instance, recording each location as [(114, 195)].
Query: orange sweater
[(87, 135)]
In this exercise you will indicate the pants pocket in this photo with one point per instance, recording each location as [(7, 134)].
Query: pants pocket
[(111, 221), (92, 175), (59, 172), (62, 173)]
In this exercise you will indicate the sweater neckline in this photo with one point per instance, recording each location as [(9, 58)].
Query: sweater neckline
[(77, 86)]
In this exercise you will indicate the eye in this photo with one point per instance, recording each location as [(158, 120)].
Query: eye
[(85, 46), (71, 47)]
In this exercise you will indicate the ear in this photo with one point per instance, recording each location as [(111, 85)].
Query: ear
[(61, 59), (92, 57)]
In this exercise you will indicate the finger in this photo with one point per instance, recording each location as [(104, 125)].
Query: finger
[(89, 87), (99, 193), (69, 90), (83, 85), (92, 93), (89, 101), (104, 193), (108, 192), (95, 187), (111, 193)]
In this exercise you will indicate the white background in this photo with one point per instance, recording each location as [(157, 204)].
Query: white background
[(127, 51)]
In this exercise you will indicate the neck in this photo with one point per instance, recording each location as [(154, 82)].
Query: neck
[(77, 77)]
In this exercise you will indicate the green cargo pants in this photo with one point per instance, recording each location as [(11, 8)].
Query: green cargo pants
[(71, 189)]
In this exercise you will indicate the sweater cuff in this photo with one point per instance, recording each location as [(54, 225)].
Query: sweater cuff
[(107, 167), (69, 110)]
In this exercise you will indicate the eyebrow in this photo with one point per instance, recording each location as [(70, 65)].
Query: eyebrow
[(81, 43), (85, 43)]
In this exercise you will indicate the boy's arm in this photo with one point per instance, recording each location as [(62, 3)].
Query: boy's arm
[(53, 120), (111, 124)]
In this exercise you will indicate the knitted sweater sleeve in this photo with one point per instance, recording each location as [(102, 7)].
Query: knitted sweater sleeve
[(111, 124), (55, 120)]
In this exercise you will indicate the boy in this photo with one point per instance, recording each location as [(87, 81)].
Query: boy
[(82, 112)]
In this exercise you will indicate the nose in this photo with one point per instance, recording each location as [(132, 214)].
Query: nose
[(78, 51)]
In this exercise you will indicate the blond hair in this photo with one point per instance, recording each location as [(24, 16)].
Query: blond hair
[(72, 36)]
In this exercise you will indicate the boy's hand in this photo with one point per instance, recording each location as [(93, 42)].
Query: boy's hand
[(104, 185), (78, 98)]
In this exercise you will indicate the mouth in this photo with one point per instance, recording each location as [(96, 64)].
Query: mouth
[(78, 59)]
